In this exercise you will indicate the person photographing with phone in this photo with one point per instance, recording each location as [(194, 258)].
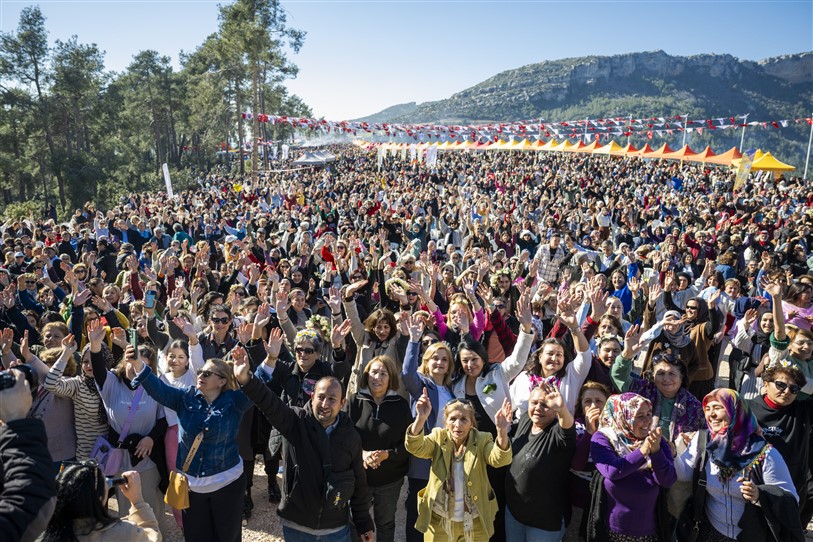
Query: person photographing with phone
[(27, 488), (81, 509)]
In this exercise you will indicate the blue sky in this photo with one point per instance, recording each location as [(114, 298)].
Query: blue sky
[(362, 56)]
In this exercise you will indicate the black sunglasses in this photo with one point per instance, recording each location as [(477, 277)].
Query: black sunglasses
[(306, 351), (499, 305), (429, 341), (224, 320), (784, 386), (207, 374), (412, 293)]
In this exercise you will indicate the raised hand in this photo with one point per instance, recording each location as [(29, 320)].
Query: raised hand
[(415, 328), (632, 341), (274, 344), (423, 407), (82, 297), (244, 332), (281, 304), (103, 304), (355, 287), (6, 340), (262, 317), (338, 334), (486, 294), (241, 369), (96, 333), (553, 398), (25, 350), (773, 287), (185, 326), (655, 292), (504, 416), (334, 300), (69, 346), (525, 313)]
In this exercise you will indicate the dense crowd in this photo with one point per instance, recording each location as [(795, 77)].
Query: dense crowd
[(529, 341)]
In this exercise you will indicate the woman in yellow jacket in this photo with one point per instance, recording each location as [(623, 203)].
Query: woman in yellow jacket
[(458, 503)]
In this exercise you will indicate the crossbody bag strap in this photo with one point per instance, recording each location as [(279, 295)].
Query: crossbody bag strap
[(699, 480), (133, 406), (192, 451)]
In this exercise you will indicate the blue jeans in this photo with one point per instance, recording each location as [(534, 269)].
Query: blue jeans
[(292, 535), (517, 532)]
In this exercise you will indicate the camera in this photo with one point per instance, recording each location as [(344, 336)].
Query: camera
[(8, 379)]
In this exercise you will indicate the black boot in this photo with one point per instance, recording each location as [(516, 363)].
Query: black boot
[(274, 493), (248, 506)]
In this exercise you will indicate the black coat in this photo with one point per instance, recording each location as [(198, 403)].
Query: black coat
[(27, 480), (382, 427), (304, 493)]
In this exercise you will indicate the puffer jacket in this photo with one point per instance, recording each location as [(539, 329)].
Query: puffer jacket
[(27, 482), (304, 485)]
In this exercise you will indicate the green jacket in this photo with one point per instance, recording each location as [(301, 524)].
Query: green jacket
[(480, 451)]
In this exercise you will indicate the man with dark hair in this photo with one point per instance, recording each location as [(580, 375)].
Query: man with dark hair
[(324, 472)]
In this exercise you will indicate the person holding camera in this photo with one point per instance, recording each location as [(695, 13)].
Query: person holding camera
[(81, 508), (27, 489)]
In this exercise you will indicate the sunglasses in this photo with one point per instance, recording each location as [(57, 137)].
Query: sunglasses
[(207, 374), (412, 293), (224, 320), (306, 351), (499, 305), (429, 342), (692, 307), (458, 400), (240, 292), (31, 282), (784, 386)]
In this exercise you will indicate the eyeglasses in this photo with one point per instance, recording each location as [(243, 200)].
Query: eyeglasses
[(429, 341), (305, 351), (207, 374), (224, 320), (784, 386), (692, 307)]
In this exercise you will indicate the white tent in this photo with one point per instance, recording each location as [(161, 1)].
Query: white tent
[(313, 159)]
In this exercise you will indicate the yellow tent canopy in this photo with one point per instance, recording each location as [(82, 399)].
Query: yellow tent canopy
[(548, 146), (610, 148), (767, 162), (683, 153)]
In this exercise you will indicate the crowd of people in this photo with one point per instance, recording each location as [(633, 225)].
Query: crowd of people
[(530, 342)]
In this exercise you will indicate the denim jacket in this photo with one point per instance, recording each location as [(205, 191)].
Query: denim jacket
[(218, 421)]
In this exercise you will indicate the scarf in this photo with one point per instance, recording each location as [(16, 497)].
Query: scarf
[(678, 339), (739, 446), (617, 419)]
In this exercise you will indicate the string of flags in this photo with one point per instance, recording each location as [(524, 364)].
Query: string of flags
[(597, 129)]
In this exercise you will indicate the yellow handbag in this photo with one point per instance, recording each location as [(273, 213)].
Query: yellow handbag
[(177, 495)]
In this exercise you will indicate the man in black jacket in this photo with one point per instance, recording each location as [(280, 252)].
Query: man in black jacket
[(324, 472), (27, 484)]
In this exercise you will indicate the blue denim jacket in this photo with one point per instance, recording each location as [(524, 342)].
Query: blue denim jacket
[(219, 422)]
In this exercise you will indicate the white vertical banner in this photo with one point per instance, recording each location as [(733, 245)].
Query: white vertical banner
[(285, 149), (167, 180), (413, 153)]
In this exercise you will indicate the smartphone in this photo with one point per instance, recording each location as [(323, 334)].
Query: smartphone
[(149, 300), (132, 337)]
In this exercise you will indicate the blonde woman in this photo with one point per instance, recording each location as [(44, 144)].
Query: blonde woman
[(458, 502)]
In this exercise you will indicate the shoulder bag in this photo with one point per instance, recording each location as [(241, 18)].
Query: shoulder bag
[(177, 495)]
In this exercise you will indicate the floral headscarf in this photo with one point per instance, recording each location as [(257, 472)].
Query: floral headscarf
[(740, 445), (617, 419)]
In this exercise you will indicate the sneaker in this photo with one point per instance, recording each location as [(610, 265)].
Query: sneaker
[(248, 506), (274, 493)]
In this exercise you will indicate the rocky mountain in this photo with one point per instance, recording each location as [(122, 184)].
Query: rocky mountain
[(649, 84)]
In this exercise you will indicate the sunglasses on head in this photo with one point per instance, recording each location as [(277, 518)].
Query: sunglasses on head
[(224, 320), (784, 386), (207, 374), (306, 351), (458, 400)]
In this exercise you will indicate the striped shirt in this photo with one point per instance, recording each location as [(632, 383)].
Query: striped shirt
[(85, 407)]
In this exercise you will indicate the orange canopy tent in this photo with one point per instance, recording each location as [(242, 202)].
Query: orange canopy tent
[(547, 146), (702, 156), (725, 158), (587, 149), (682, 153), (564, 146), (660, 153), (643, 151)]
